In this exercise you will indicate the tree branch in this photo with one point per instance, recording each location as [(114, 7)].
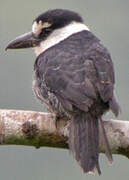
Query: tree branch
[(39, 129)]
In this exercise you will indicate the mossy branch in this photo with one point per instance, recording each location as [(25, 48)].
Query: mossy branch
[(39, 129)]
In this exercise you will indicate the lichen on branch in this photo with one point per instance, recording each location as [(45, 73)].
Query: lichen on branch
[(39, 129)]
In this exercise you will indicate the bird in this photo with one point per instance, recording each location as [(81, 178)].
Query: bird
[(74, 78)]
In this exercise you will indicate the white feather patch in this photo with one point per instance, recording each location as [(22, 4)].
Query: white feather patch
[(59, 35), (37, 27)]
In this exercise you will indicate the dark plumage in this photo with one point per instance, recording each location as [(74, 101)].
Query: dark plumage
[(59, 17), (79, 85), (74, 77)]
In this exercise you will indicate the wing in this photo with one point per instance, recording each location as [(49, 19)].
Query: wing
[(105, 73), (77, 78), (80, 79), (71, 85)]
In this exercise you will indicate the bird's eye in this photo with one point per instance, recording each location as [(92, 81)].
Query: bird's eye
[(45, 32)]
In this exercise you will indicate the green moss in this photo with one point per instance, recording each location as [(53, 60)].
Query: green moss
[(38, 141)]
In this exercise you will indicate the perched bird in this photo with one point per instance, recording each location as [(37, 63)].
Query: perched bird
[(74, 77)]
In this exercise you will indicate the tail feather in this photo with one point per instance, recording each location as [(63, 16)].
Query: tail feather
[(74, 142), (84, 141), (105, 143)]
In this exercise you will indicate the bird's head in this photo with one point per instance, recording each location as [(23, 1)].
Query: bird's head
[(49, 29)]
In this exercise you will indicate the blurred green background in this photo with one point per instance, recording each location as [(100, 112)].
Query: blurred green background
[(109, 20)]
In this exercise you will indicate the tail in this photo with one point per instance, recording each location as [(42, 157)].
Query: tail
[(84, 141), (105, 142)]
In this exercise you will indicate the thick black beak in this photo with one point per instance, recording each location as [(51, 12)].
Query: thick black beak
[(25, 41)]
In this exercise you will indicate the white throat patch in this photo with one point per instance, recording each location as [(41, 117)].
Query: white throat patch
[(59, 35)]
